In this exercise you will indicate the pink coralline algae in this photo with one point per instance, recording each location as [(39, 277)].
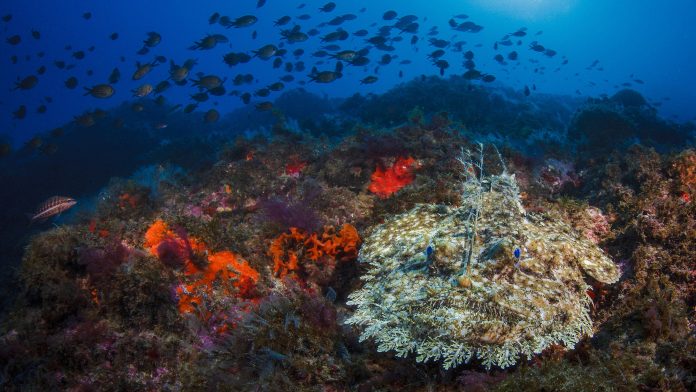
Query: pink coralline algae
[(555, 174), (599, 225)]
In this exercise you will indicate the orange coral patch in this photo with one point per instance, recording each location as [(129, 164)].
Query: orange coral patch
[(225, 270), (387, 181), (285, 248)]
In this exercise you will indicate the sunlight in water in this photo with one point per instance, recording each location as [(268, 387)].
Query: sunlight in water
[(528, 9)]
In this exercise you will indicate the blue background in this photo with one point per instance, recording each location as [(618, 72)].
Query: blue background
[(653, 40)]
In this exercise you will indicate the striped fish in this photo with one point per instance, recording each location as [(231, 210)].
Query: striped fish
[(51, 207)]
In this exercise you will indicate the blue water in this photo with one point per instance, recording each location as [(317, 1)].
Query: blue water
[(647, 40)]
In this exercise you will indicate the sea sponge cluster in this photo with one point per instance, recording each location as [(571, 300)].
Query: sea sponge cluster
[(484, 279)]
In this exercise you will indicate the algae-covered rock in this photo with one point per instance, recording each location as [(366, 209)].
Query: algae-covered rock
[(484, 279)]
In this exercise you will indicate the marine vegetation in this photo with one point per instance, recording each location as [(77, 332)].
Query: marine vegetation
[(484, 279)]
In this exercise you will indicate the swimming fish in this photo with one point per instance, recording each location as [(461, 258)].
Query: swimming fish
[(51, 207), (100, 91)]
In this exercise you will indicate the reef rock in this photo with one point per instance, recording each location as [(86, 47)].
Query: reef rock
[(484, 279)]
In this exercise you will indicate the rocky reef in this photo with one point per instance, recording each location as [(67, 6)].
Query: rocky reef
[(365, 254)]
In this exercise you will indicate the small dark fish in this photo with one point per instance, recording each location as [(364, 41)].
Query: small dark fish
[(277, 63), (27, 83), (526, 91), (442, 65), (535, 46), (254, 34), (361, 33), (113, 36), (211, 116), (469, 55), (287, 78), (7, 18), (35, 34), (79, 55), (234, 58), (41, 109), (246, 98), (142, 69), (153, 39), (328, 7), (14, 40), (200, 97), (87, 15), (115, 76), (386, 59), (52, 207), (207, 81), (217, 91), (277, 86), (472, 74), (100, 91), (266, 52), (304, 17), (264, 92), (360, 61), (41, 70), (512, 56), (71, 82), (439, 43), (368, 80), (143, 51), (282, 21), (214, 18), (260, 3), (20, 113), (488, 78), (436, 54), (389, 15), (190, 108), (162, 87), (245, 21)]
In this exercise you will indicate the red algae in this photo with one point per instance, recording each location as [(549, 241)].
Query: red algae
[(387, 181)]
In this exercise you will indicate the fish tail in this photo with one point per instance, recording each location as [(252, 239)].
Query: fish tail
[(30, 218)]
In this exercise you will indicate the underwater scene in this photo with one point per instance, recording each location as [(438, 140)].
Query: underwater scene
[(314, 195)]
